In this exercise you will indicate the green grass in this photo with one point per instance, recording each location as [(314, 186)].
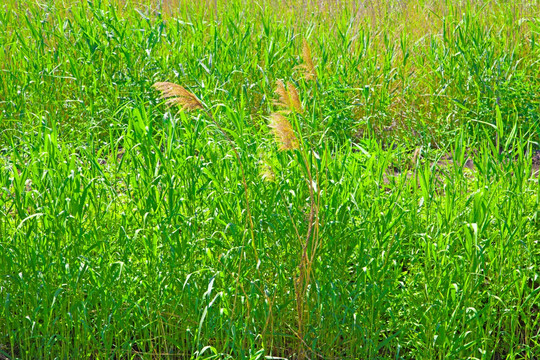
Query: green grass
[(126, 231)]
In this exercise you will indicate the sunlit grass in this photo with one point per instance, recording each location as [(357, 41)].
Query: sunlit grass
[(332, 180)]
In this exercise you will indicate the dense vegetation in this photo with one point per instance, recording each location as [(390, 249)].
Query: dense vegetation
[(326, 180)]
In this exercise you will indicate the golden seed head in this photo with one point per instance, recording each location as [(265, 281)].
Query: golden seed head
[(177, 95), (283, 100), (308, 66), (294, 99), (266, 172), (283, 132), (288, 97)]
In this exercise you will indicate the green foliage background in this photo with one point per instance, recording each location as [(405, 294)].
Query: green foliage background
[(123, 228)]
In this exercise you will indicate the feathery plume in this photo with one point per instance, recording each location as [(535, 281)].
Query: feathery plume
[(288, 97), (177, 95), (266, 172), (308, 66), (283, 132), (294, 99), (283, 101)]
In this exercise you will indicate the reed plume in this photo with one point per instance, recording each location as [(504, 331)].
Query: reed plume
[(289, 100), (283, 132), (283, 100), (177, 95), (308, 66), (266, 172), (294, 98)]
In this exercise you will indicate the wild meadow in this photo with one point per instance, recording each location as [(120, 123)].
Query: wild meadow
[(269, 179)]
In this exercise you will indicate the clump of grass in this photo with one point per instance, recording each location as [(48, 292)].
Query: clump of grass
[(127, 231)]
